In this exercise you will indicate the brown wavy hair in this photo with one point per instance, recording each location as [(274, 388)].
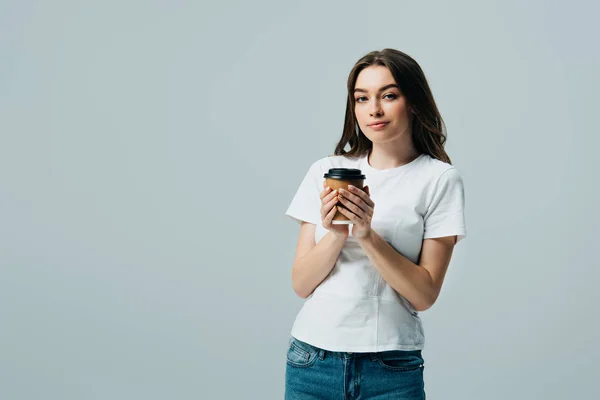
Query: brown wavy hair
[(428, 128)]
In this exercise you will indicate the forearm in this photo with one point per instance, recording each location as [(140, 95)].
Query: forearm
[(312, 268), (407, 278)]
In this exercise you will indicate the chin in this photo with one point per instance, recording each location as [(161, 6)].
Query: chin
[(379, 137), (384, 137)]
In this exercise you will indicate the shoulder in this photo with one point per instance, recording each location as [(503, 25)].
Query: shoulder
[(435, 170)]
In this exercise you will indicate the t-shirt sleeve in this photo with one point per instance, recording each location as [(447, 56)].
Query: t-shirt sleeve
[(306, 204), (446, 213)]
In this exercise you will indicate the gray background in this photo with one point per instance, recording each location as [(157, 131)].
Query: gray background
[(149, 149)]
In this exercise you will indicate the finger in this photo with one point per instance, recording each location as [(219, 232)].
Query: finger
[(328, 206), (358, 201), (363, 194), (329, 196), (329, 217), (350, 215), (324, 192), (354, 208), (371, 203)]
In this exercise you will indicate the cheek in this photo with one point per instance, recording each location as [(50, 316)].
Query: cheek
[(361, 117), (398, 109)]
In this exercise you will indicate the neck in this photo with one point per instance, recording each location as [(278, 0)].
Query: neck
[(393, 154)]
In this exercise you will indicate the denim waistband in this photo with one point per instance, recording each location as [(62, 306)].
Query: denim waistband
[(322, 353)]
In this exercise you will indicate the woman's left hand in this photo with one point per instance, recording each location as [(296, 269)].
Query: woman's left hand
[(359, 209)]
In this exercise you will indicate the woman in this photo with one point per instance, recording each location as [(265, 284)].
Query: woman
[(359, 335)]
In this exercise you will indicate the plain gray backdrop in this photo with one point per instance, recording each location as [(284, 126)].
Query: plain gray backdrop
[(149, 150)]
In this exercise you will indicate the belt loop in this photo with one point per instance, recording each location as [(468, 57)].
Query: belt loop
[(373, 356), (322, 354)]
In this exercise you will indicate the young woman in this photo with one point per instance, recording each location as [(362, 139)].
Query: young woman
[(358, 334)]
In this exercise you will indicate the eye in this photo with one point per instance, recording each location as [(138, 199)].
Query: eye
[(390, 96)]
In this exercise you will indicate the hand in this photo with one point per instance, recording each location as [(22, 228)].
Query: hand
[(329, 199), (359, 209)]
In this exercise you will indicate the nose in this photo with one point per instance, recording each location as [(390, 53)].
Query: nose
[(375, 109)]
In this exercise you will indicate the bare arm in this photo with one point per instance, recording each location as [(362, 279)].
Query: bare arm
[(419, 283), (313, 261)]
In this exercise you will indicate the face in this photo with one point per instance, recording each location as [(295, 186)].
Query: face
[(378, 98)]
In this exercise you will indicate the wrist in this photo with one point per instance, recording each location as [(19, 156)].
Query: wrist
[(339, 235), (368, 236)]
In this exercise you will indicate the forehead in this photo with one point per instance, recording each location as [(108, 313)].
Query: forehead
[(374, 77)]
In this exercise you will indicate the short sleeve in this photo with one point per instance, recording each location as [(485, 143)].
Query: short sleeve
[(446, 213), (306, 204)]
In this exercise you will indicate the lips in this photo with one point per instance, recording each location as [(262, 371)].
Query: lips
[(378, 124)]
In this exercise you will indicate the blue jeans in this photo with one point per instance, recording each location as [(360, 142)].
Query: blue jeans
[(314, 373)]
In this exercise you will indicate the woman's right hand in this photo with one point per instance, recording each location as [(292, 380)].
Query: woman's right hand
[(329, 200)]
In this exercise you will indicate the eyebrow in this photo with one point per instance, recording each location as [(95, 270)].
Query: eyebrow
[(381, 90)]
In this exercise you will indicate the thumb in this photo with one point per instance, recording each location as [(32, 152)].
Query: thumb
[(367, 190)]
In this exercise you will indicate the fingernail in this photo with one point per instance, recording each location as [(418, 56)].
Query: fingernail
[(350, 187)]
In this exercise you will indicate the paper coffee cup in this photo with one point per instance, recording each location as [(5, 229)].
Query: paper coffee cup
[(340, 178)]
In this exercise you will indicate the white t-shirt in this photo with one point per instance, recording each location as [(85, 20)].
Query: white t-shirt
[(354, 309)]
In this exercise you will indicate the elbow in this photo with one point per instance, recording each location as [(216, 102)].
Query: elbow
[(303, 294), (297, 287), (425, 304), (422, 307)]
